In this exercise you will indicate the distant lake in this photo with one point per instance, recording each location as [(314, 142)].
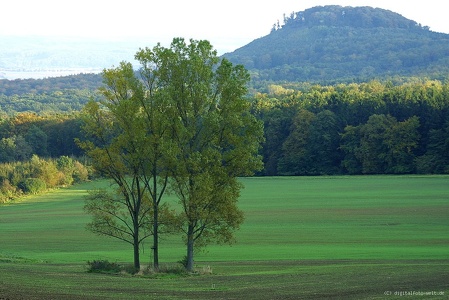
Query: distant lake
[(39, 74)]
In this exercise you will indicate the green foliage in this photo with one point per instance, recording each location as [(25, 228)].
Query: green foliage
[(37, 139), (312, 147), (80, 172), (33, 186), (7, 191), (339, 16), (66, 166), (336, 108), (46, 170), (54, 95), (110, 217), (14, 148), (296, 158), (382, 145)]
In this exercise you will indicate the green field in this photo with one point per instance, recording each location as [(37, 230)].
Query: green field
[(355, 237)]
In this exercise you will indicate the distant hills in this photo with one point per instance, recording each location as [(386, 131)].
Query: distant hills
[(323, 44), (40, 56), (341, 44)]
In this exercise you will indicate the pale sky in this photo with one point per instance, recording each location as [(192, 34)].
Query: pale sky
[(228, 25)]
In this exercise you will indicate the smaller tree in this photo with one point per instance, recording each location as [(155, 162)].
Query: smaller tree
[(126, 140), (113, 147)]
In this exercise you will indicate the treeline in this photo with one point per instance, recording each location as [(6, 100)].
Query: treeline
[(336, 15), (37, 175), (368, 128), (63, 101), (365, 128), (50, 85)]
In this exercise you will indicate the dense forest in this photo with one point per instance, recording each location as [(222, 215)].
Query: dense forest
[(335, 44), (366, 128), (359, 128)]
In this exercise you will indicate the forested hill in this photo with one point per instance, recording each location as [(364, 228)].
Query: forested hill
[(329, 44)]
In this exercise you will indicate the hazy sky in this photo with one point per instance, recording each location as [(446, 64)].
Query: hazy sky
[(228, 25)]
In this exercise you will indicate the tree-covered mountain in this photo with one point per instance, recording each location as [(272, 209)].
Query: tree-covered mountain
[(328, 44), (324, 45)]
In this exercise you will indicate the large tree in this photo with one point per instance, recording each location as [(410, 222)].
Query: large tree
[(214, 137), (182, 120)]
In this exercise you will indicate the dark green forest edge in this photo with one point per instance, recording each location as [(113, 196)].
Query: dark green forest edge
[(340, 91)]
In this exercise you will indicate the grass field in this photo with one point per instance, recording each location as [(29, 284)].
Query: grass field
[(355, 237)]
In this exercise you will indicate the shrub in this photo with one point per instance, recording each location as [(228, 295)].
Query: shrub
[(167, 269), (45, 170), (65, 166), (80, 172), (20, 172), (33, 186), (7, 191), (130, 269), (99, 266)]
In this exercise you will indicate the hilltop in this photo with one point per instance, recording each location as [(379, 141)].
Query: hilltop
[(343, 44)]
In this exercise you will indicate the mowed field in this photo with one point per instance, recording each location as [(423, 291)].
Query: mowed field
[(348, 237)]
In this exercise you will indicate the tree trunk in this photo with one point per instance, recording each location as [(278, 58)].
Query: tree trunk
[(136, 252), (190, 242), (156, 239)]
